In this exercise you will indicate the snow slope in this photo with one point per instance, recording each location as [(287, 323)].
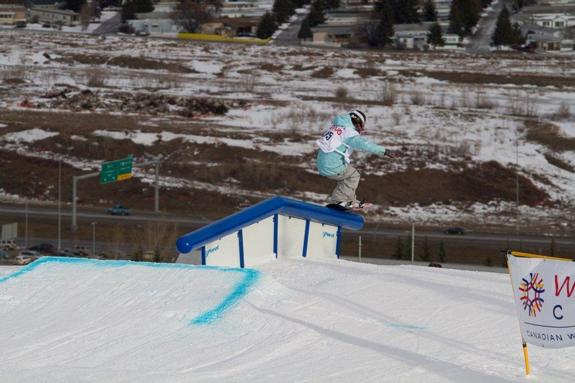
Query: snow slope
[(300, 321)]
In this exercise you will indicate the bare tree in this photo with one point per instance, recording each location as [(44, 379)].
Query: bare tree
[(190, 14), (85, 15)]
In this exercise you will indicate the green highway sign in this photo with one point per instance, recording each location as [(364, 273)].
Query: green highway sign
[(118, 170)]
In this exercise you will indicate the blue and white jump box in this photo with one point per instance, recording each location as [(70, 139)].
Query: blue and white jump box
[(279, 227)]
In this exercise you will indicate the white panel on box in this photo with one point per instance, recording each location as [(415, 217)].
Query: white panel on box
[(224, 251), (259, 242), (322, 241), (291, 235)]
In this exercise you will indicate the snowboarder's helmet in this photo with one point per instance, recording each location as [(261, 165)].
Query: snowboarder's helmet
[(358, 118)]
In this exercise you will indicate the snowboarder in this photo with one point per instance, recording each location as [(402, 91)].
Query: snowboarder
[(333, 159)]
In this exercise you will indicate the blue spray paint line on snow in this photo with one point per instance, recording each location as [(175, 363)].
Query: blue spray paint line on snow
[(207, 317), (239, 291), (406, 326)]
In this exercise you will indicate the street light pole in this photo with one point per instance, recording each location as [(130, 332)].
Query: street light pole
[(94, 239), (59, 204), (26, 225)]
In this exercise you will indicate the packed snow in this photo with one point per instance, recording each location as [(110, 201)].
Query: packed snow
[(297, 320)]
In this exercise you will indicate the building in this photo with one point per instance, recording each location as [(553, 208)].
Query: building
[(411, 36), (342, 26), (232, 26), (557, 16), (54, 16), (548, 39), (548, 27), (154, 23), (12, 14), (241, 9), (442, 7)]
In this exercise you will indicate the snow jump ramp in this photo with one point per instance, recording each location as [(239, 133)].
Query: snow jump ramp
[(278, 227)]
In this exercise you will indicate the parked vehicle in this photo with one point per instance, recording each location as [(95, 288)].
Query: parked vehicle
[(8, 244), (20, 24), (29, 254), (4, 254), (21, 260), (455, 230), (44, 248), (81, 251), (118, 210)]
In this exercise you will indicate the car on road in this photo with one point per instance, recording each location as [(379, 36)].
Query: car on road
[(26, 256), (43, 248), (118, 210), (456, 230), (4, 254), (81, 251)]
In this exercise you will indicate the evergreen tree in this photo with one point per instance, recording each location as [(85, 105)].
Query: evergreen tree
[(282, 10), (405, 11), (266, 27), (441, 253), (503, 34), (398, 252), (128, 10), (74, 5), (429, 11), (316, 15), (383, 31), (517, 34), (305, 30), (426, 257), (143, 6), (332, 4), (464, 15), (435, 36)]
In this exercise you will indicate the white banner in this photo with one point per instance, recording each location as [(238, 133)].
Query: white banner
[(544, 291)]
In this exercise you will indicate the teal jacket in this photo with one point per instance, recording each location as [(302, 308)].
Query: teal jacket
[(334, 162)]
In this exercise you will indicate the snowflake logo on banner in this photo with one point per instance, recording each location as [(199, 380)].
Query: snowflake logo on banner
[(531, 290)]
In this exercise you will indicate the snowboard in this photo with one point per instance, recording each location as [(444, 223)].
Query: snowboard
[(365, 207)]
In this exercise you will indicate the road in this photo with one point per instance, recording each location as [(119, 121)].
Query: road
[(109, 26), (289, 35), (8, 211), (480, 41)]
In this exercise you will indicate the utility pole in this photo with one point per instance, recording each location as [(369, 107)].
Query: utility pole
[(157, 187), (75, 180), (517, 184), (94, 239), (26, 224), (59, 204), (412, 242)]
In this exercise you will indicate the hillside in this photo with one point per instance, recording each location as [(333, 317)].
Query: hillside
[(239, 123)]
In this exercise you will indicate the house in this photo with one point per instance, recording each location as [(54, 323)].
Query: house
[(231, 26), (241, 9), (12, 14), (558, 17), (548, 27), (443, 8), (548, 39), (411, 36), (342, 26), (54, 16), (154, 23)]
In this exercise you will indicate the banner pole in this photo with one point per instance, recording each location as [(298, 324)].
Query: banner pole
[(525, 350), (526, 357)]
